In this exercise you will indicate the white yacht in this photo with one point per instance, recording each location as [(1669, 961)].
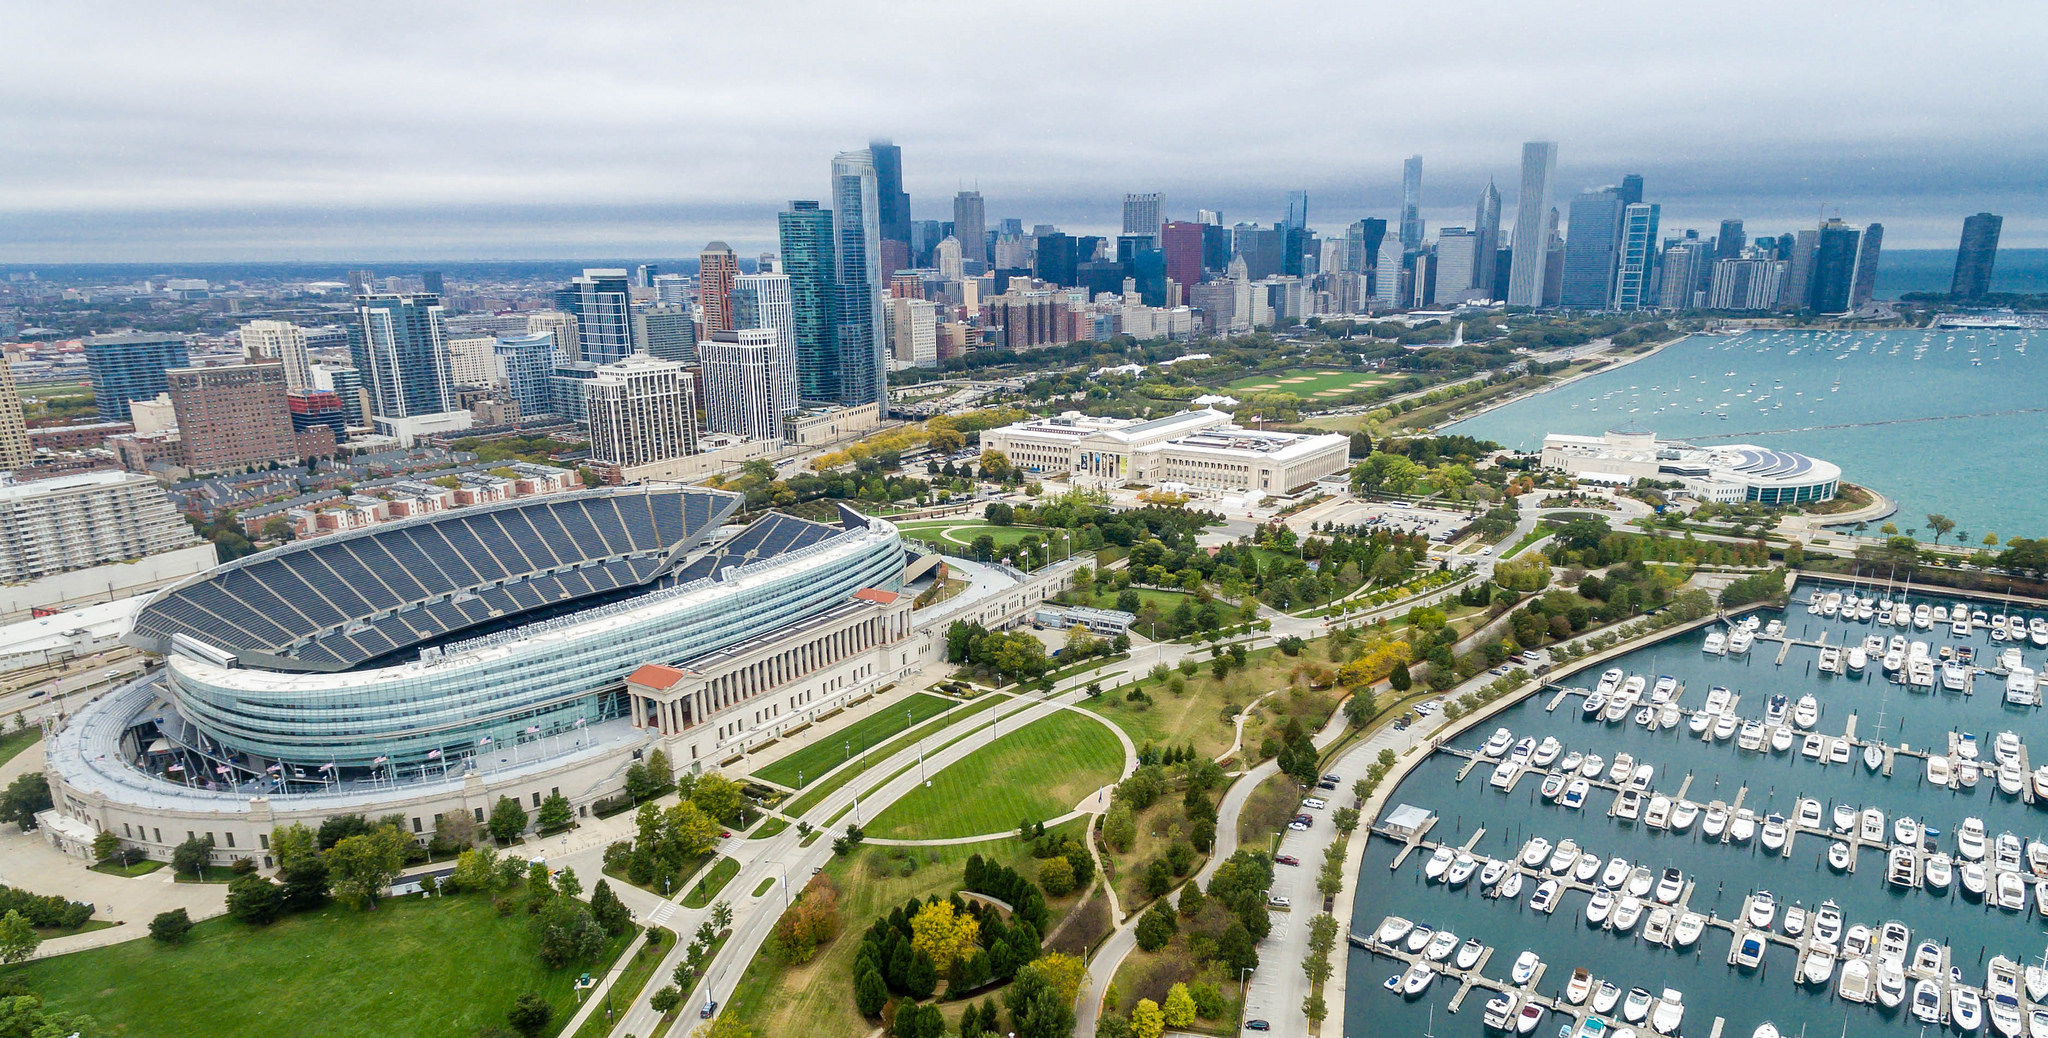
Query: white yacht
[(1392, 929), (1776, 708), (1545, 898), (1566, 856), (1626, 912), (1624, 766), (1906, 831), (1575, 794), (1615, 874), (1715, 824), (1498, 743), (1461, 870), (1716, 644), (1845, 817), (1724, 726), (1535, 852), (1808, 813), (1857, 983), (1871, 829), (2022, 687), (1635, 1008), (1891, 985), (1937, 871), (1718, 698), (1468, 954), (1751, 736), (1740, 642), (1598, 907), (1805, 713), (1687, 930), (1546, 752), (1970, 838), (1820, 963), (1440, 946), (1684, 812), (1570, 764), (1763, 907), (1592, 766), (1525, 967), (1858, 660), (1439, 863), (1938, 770), (1658, 814), (1954, 676), (1610, 681), (1773, 836), (1670, 886), (1830, 660), (1781, 740), (1587, 868), (1742, 825)]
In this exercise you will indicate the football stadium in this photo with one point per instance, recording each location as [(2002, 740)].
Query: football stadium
[(439, 662)]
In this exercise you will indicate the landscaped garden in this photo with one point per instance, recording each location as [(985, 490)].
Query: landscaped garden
[(1038, 772), (1310, 384), (812, 761)]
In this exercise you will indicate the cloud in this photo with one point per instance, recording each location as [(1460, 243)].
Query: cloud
[(231, 131)]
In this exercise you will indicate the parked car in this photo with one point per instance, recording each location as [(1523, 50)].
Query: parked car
[(1333, 777), (1300, 827), (1257, 1025), (1286, 859), (1315, 803), (1278, 901), (710, 1007), (1326, 784)]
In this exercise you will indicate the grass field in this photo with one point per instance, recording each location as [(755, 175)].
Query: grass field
[(816, 998), (1039, 771), (818, 791), (439, 969), (1167, 601), (714, 881), (962, 531), (1307, 382), (829, 752), (625, 990)]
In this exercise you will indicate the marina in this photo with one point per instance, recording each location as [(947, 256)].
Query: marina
[(1723, 777)]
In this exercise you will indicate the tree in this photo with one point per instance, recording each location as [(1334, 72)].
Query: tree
[(255, 900), (530, 1015), (1056, 876), (1400, 679), (567, 885), (942, 933), (304, 883), (1147, 1020), (169, 927), (611, 913), (1940, 524), (508, 820), (870, 992), (1360, 708), (363, 866), (23, 798), (1179, 1009), (555, 814), (718, 797), (1156, 928), (667, 1000), (105, 846), (476, 869), (292, 843), (1065, 973), (453, 831), (192, 855), (568, 933), (1314, 1008)]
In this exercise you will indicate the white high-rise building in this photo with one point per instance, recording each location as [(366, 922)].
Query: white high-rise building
[(914, 332), (946, 257), (281, 341), (642, 410), (764, 301), (473, 361), (677, 289), (1532, 224), (567, 333), (739, 395), (1386, 275), (1456, 260), (1142, 214)]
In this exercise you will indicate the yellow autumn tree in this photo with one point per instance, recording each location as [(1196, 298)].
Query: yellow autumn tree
[(1146, 1019), (942, 933), (1375, 664)]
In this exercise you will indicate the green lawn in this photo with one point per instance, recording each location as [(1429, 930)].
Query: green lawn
[(829, 752), (714, 881), (1167, 601), (440, 967), (962, 532), (818, 791), (1037, 772), (14, 742), (625, 990), (1316, 380)]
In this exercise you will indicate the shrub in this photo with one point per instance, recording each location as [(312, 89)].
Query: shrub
[(171, 927)]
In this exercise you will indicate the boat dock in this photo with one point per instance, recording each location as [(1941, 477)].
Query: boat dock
[(1529, 993)]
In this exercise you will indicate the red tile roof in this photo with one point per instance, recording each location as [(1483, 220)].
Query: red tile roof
[(654, 675), (877, 595)]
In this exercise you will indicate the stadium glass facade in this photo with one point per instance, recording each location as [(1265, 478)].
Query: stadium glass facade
[(529, 683)]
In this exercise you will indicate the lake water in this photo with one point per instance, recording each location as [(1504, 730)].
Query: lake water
[(1954, 423), (1724, 873)]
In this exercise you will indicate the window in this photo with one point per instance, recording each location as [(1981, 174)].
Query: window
[(231, 839), (263, 840), (536, 799), (415, 823)]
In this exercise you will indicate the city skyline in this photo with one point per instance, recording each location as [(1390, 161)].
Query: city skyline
[(393, 156)]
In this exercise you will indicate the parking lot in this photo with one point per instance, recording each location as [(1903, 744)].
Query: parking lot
[(1437, 523)]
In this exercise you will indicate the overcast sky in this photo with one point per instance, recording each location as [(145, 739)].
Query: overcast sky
[(167, 132)]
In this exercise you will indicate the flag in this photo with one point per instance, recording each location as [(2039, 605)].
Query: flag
[(531, 729), (274, 769), (485, 741), (329, 766), (579, 722), (379, 760), (221, 769), (433, 754)]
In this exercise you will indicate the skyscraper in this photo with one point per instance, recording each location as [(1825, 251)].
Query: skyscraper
[(1056, 259), (764, 301), (601, 299), (16, 451), (233, 417), (1142, 215), (401, 348), (1638, 256), (1834, 267), (281, 341), (807, 260), (1411, 203), (1181, 241), (1532, 226), (529, 363), (665, 331), (1796, 291), (1455, 258), (946, 258), (1386, 275), (1729, 243), (1865, 280), (856, 235), (892, 202), (739, 395), (717, 265), (1975, 256), (641, 410), (1486, 243), (1591, 250), (130, 366), (1631, 189), (563, 328), (970, 225)]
